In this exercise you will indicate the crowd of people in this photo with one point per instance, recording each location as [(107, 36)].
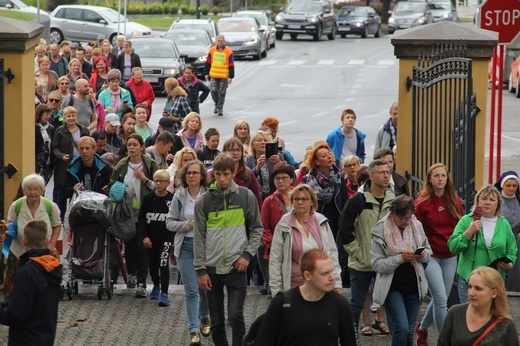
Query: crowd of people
[(250, 214)]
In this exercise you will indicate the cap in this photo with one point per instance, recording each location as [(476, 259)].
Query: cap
[(113, 119), (101, 37), (74, 45), (166, 124)]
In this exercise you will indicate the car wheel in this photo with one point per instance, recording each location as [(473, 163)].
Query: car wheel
[(332, 34), (378, 32), (113, 40), (264, 54), (317, 34), (364, 34), (274, 43), (294, 36), (279, 35), (55, 36), (258, 55), (343, 35), (510, 83)]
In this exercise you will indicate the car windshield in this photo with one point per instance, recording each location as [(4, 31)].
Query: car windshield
[(261, 18), (236, 26), (344, 11), (359, 12), (153, 49), (16, 4), (111, 15), (188, 39), (446, 6), (205, 27), (305, 7), (405, 6)]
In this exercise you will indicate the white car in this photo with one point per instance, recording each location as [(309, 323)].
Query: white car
[(82, 23), (19, 5)]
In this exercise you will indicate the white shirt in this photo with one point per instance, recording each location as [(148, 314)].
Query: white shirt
[(189, 211), (488, 226), (308, 242)]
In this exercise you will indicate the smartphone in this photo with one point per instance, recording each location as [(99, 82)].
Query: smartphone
[(419, 250), (270, 150)]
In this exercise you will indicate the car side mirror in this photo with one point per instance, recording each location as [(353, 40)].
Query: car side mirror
[(102, 21), (511, 54), (261, 29), (327, 10), (370, 15), (9, 6)]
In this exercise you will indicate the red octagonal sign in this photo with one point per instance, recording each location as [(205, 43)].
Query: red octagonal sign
[(502, 16)]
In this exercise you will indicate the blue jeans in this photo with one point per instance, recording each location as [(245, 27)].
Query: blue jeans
[(463, 290), (359, 285), (440, 273), (236, 286), (195, 299), (401, 312)]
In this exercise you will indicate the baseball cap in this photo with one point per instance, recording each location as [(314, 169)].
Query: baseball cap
[(101, 37), (113, 119), (74, 45), (167, 124)]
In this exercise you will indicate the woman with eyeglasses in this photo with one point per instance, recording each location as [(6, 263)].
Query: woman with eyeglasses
[(192, 180), (399, 250), (350, 165), (114, 98), (300, 230), (63, 88), (74, 73)]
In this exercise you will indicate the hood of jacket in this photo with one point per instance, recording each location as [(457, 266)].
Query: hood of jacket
[(45, 262), (76, 163)]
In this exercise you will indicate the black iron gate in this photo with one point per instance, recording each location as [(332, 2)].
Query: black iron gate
[(443, 118)]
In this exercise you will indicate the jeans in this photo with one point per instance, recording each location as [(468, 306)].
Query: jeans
[(136, 258), (401, 312), (218, 87), (359, 285), (263, 263), (463, 290), (195, 299), (440, 273), (159, 258), (235, 283), (59, 198)]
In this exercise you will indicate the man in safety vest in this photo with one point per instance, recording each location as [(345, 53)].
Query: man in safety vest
[(219, 70)]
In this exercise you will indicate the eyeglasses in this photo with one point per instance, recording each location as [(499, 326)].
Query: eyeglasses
[(281, 178), (64, 83), (193, 173), (301, 199), (55, 100), (350, 165), (231, 151), (32, 189), (406, 219), (161, 181)]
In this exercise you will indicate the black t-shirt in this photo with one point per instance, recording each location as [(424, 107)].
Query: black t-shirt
[(405, 279), (152, 217)]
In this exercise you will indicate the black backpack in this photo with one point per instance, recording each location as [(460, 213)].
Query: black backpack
[(249, 338)]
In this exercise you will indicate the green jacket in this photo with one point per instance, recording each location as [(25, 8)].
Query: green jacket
[(221, 236), (503, 244)]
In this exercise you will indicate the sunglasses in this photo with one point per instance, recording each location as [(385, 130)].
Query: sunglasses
[(54, 100)]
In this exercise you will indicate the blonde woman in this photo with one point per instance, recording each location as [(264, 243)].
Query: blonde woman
[(64, 89), (46, 79), (75, 73), (177, 105), (191, 132), (242, 131), (182, 157)]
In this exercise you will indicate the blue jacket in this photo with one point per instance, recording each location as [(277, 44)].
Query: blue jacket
[(76, 174), (336, 138)]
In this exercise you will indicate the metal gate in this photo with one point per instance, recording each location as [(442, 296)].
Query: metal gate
[(443, 118)]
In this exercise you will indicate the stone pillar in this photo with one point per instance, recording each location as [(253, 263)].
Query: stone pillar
[(17, 42), (411, 43)]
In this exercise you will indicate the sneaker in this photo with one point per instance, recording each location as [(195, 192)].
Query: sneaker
[(195, 339), (220, 112), (205, 326), (265, 289), (132, 281), (156, 292), (215, 111), (141, 291), (422, 335), (164, 300)]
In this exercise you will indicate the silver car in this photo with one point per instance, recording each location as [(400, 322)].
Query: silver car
[(266, 23), (244, 36), (84, 23)]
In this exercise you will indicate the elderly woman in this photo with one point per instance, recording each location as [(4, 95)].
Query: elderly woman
[(177, 105), (485, 320), (99, 75), (191, 132), (182, 157), (46, 80), (39, 52), (350, 165), (193, 180), (328, 182), (64, 89), (261, 165), (75, 73), (483, 238), (298, 231), (399, 249), (127, 60), (31, 206), (142, 89), (114, 98)]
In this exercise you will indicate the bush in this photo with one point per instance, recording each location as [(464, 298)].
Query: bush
[(214, 10), (185, 9), (204, 9)]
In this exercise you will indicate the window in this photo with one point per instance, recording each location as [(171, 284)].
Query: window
[(91, 16), (72, 13)]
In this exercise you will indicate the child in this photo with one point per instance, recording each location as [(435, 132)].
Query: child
[(156, 238), (32, 311), (208, 153)]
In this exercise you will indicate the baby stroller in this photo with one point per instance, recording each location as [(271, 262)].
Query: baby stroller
[(89, 221)]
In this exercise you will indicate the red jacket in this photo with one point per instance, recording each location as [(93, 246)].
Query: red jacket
[(252, 185), (272, 212), (437, 223), (143, 92)]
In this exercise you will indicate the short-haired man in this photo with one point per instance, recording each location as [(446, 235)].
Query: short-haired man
[(54, 102), (220, 71), (84, 105), (32, 310), (89, 51), (114, 141), (118, 49), (101, 142), (59, 64), (166, 124), (73, 49), (387, 134), (398, 183), (86, 67), (160, 151), (347, 140), (315, 313), (223, 247), (360, 214)]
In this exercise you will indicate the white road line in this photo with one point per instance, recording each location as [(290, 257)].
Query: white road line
[(511, 138), (325, 62), (296, 62), (356, 62), (319, 114), (386, 62), (267, 62)]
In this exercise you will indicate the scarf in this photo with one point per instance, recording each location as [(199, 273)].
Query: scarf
[(397, 242), (116, 99), (324, 185)]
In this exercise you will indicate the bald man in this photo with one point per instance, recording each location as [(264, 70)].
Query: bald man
[(87, 116)]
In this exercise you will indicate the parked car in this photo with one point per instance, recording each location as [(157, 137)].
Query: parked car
[(19, 5), (193, 43), (443, 11), (160, 59), (514, 75), (85, 23), (407, 14), (361, 20), (265, 21), (244, 36), (307, 18), (197, 24)]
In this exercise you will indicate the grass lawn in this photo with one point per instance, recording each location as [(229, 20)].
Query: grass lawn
[(163, 22), (17, 15)]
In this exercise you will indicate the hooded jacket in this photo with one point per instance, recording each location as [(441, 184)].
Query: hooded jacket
[(384, 135), (76, 174), (336, 138), (32, 311), (194, 92)]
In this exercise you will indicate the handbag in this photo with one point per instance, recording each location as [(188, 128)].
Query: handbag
[(486, 332)]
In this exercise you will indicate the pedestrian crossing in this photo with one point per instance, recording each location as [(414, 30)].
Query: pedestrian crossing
[(331, 63)]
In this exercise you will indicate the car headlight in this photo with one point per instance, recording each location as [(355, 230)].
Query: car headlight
[(359, 24), (251, 42), (391, 20), (445, 15), (135, 33), (202, 58), (313, 19), (420, 21), (172, 71), (278, 18)]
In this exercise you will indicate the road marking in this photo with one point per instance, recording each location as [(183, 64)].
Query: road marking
[(356, 62), (296, 62), (267, 62), (319, 114), (325, 62), (511, 138), (285, 123), (386, 62)]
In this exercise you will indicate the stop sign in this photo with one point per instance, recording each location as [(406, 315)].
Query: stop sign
[(502, 16)]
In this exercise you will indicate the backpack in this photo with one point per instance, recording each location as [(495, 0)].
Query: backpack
[(48, 207), (249, 338), (90, 103), (123, 226)]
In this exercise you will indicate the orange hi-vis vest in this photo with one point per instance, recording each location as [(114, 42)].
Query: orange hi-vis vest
[(219, 62)]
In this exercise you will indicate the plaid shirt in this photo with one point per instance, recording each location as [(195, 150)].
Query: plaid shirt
[(180, 108)]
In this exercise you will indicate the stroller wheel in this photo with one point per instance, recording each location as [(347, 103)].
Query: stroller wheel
[(62, 291), (110, 291), (100, 292), (76, 288)]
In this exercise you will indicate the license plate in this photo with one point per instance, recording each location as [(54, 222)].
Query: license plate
[(293, 26), (344, 28), (151, 79)]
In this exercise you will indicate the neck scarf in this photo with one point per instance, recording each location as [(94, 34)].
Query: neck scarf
[(116, 99), (398, 242), (324, 185)]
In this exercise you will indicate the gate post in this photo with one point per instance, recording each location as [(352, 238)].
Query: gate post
[(409, 46), (17, 42)]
